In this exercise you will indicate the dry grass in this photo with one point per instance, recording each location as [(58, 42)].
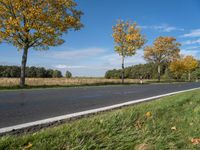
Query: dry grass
[(10, 82)]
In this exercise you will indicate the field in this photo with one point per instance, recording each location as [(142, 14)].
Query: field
[(168, 123), (12, 82)]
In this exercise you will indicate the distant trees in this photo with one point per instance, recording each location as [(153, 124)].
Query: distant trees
[(175, 70), (146, 71), (128, 39), (36, 24), (68, 74), (164, 50), (31, 72)]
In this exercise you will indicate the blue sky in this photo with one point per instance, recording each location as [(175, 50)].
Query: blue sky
[(90, 51)]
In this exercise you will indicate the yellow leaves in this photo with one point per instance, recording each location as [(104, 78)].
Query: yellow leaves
[(184, 64), (41, 22), (71, 20), (177, 67), (148, 114), (163, 49), (190, 63), (127, 38), (27, 147)]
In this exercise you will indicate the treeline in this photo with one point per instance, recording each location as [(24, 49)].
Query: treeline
[(149, 71), (31, 72)]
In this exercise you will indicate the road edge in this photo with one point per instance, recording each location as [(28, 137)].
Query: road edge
[(72, 116)]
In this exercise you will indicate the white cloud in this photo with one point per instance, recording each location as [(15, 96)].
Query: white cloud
[(194, 53), (114, 60), (193, 48), (190, 42), (101, 65), (163, 28), (94, 67), (193, 33)]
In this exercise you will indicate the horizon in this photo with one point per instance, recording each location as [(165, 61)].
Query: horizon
[(90, 51)]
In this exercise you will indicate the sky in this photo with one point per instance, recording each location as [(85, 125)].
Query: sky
[(90, 51)]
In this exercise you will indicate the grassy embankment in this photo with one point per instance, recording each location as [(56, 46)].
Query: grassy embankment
[(12, 83), (169, 123)]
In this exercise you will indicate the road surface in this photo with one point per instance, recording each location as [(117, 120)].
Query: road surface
[(23, 106)]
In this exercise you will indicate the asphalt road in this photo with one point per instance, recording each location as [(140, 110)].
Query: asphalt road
[(17, 107)]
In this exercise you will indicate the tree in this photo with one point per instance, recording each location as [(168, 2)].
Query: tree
[(57, 74), (164, 50), (36, 24), (190, 64), (49, 73), (128, 39), (68, 74), (177, 67), (40, 72)]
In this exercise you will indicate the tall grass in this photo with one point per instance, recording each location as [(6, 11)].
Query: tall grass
[(10, 82)]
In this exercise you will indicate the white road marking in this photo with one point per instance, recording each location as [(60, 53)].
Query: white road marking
[(83, 113)]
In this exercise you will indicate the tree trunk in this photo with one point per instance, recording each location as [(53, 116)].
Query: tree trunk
[(122, 77), (23, 67), (189, 76), (159, 73)]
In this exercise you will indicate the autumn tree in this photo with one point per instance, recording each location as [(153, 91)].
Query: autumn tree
[(185, 64), (190, 64), (177, 68), (164, 49), (128, 38), (36, 24)]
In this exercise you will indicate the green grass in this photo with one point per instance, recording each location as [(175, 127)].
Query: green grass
[(126, 128)]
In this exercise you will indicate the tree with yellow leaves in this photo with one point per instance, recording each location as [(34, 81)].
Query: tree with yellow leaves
[(177, 68), (128, 38), (190, 64), (164, 49), (36, 24), (182, 65)]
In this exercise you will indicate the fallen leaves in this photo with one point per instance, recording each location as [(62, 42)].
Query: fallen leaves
[(173, 128), (195, 141), (139, 124), (148, 114), (28, 146)]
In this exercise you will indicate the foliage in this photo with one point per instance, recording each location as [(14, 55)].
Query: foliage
[(168, 123), (190, 63), (68, 74), (37, 24), (183, 65), (177, 68), (128, 38), (164, 50), (57, 74), (146, 71)]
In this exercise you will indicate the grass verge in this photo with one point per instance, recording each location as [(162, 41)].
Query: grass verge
[(169, 123)]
